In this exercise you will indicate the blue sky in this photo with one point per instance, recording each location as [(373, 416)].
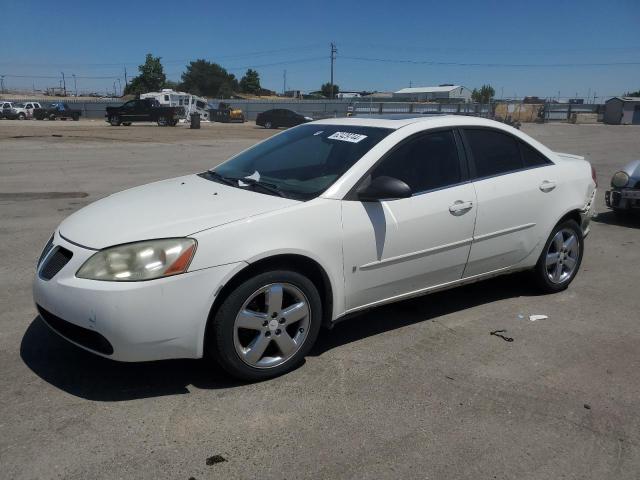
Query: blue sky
[(97, 39)]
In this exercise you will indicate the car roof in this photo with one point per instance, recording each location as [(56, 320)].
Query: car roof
[(401, 120)]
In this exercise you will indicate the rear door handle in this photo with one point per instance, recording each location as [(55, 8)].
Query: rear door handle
[(460, 208), (547, 186)]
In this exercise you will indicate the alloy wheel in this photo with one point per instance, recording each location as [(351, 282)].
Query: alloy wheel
[(562, 256), (272, 325)]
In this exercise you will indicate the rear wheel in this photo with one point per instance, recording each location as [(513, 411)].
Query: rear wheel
[(52, 117), (163, 122), (75, 117), (266, 326), (126, 124), (561, 257)]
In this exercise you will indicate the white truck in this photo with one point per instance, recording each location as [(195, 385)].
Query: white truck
[(18, 110), (189, 103)]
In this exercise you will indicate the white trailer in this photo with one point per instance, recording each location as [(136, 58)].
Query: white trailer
[(190, 103)]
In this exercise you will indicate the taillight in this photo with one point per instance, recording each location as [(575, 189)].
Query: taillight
[(593, 175)]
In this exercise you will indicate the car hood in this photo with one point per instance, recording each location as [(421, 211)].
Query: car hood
[(170, 208)]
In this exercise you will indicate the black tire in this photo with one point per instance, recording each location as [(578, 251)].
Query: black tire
[(163, 122), (540, 272), (220, 331), (268, 124), (52, 117), (21, 116), (126, 124), (76, 117), (114, 120)]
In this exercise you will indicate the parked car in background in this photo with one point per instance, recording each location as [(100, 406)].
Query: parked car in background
[(143, 110), (55, 111), (624, 195), (19, 110), (29, 107), (243, 263), (5, 109), (280, 117)]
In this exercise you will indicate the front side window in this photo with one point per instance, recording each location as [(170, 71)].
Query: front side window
[(494, 152), (424, 163), (304, 161)]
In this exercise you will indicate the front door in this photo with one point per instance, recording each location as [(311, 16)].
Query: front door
[(395, 247)]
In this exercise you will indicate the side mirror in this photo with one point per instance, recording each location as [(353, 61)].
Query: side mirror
[(384, 188)]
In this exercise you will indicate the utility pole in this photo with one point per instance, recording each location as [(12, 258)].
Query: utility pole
[(334, 50), (1, 83), (75, 87), (64, 84), (120, 85), (126, 82), (284, 82)]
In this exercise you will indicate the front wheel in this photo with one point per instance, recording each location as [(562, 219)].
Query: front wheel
[(268, 124), (21, 116), (75, 117), (561, 257), (163, 122), (266, 326), (114, 120)]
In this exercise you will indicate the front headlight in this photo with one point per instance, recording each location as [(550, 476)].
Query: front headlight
[(620, 179), (140, 261)]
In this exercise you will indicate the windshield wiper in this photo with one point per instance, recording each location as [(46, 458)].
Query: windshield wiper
[(267, 187), (226, 180)]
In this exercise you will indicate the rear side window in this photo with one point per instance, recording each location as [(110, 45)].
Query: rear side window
[(531, 157), (425, 163), (493, 152)]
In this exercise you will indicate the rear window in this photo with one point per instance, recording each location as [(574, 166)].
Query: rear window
[(493, 152)]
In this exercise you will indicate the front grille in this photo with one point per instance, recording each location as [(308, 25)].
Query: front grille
[(47, 248), (82, 336), (55, 262)]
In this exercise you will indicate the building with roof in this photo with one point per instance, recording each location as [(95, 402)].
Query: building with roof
[(622, 111), (453, 93)]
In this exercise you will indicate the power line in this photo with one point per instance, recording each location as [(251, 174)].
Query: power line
[(492, 65)]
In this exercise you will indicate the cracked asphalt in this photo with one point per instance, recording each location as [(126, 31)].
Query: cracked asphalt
[(418, 389)]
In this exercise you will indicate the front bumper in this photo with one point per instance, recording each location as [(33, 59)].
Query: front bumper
[(623, 198), (140, 321)]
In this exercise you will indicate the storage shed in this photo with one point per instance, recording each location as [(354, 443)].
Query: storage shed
[(622, 111), (454, 93)]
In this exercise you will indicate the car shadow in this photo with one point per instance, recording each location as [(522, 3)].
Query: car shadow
[(628, 219), (92, 377), (421, 309)]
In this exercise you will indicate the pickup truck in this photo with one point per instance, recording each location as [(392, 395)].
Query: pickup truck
[(56, 110), (142, 110)]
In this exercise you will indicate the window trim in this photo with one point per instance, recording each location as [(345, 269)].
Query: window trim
[(473, 175), (465, 174)]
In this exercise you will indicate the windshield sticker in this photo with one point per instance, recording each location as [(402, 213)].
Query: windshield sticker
[(347, 137), (319, 132)]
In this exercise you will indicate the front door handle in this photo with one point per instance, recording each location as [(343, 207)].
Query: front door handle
[(460, 208), (547, 186)]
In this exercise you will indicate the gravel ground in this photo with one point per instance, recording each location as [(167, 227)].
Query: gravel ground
[(418, 389)]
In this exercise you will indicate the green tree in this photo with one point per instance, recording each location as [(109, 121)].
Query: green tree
[(250, 83), (633, 94), (151, 78), (207, 79), (484, 95), (326, 90)]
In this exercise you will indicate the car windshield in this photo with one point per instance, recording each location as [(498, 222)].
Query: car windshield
[(302, 162)]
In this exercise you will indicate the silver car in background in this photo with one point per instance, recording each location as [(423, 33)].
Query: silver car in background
[(624, 195)]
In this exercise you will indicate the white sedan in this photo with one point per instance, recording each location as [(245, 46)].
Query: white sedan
[(245, 262)]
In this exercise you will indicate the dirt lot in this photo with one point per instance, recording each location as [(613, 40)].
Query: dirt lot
[(417, 389)]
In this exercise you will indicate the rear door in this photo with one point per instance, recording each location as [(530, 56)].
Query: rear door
[(395, 247), (516, 190)]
